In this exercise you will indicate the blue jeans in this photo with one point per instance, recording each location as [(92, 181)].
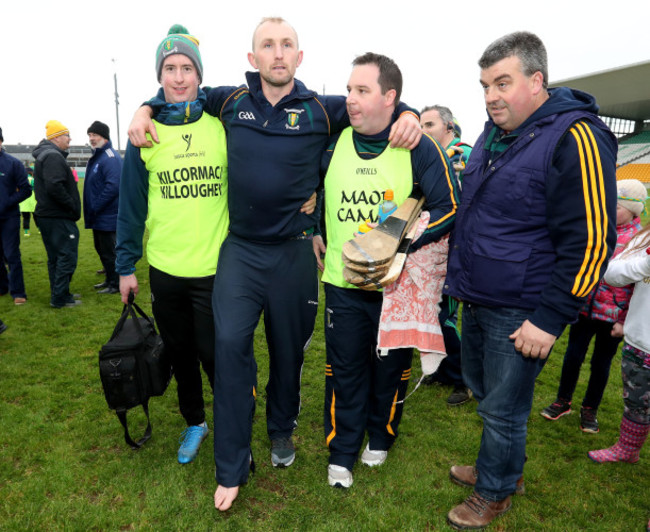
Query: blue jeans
[(502, 381)]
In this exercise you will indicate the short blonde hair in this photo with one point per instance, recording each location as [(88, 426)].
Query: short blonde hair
[(276, 20)]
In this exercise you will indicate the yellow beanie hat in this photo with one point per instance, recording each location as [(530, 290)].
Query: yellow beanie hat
[(54, 128)]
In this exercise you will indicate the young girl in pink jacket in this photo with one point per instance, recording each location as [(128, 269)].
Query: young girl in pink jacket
[(602, 316)]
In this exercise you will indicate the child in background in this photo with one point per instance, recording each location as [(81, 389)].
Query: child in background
[(633, 266), (602, 315)]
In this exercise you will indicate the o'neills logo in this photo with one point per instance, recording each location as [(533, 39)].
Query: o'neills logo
[(366, 171)]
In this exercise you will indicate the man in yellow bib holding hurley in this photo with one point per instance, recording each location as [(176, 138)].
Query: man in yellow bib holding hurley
[(178, 189), (363, 392)]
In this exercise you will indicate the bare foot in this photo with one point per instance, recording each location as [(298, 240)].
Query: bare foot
[(224, 497)]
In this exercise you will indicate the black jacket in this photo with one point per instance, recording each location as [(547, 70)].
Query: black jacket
[(56, 190)]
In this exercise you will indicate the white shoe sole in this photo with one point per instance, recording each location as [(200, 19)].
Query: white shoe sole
[(283, 464), (339, 479), (373, 458)]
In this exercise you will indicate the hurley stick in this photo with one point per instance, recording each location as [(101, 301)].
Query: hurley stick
[(376, 248)]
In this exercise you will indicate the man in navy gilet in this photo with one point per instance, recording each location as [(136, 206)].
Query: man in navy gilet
[(533, 234)]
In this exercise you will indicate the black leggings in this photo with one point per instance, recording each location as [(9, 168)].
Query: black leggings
[(605, 348)]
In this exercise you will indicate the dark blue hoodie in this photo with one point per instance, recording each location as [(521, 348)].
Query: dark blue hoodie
[(537, 221), (14, 186)]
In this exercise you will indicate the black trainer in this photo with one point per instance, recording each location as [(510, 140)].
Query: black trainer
[(556, 410), (588, 421), (109, 290), (459, 396), (432, 379)]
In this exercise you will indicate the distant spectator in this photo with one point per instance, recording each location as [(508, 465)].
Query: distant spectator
[(58, 207), (14, 188), (439, 122), (101, 191), (27, 206)]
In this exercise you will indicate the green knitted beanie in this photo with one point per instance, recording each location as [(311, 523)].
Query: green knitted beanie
[(179, 41)]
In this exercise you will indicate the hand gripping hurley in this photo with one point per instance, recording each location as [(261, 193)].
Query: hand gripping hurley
[(376, 258), (378, 247)]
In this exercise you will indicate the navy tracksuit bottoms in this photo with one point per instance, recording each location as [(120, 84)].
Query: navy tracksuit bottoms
[(279, 280), (362, 389)]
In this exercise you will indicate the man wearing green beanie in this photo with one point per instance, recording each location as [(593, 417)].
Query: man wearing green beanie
[(177, 189)]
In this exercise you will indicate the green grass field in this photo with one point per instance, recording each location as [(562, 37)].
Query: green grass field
[(64, 464)]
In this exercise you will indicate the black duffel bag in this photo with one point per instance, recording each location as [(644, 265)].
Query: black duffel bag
[(133, 367)]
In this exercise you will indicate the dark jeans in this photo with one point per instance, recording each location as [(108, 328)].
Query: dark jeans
[(182, 307), (580, 334), (105, 247), (503, 382), (61, 241), (11, 282)]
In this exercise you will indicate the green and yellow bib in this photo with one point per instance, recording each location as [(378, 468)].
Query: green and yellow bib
[(188, 197)]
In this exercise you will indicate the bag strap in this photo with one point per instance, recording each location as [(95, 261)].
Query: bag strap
[(142, 313), (120, 323), (135, 445), (133, 305), (130, 310)]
